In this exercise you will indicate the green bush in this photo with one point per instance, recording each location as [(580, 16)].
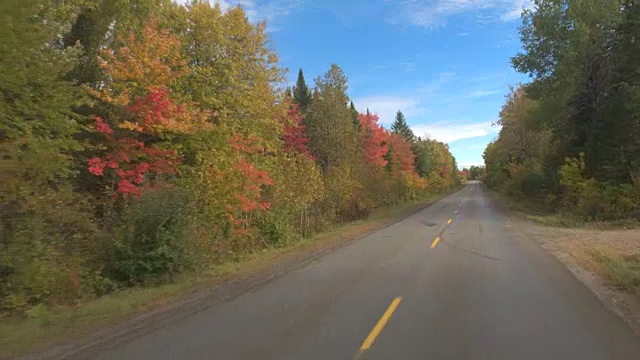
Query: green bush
[(588, 199), (276, 228), (149, 244), (46, 244)]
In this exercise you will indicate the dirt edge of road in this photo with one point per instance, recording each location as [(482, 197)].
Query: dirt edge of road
[(575, 247), (227, 288)]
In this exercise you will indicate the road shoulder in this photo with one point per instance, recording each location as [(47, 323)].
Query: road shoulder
[(595, 255)]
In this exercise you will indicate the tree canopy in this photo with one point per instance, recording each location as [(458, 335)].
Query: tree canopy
[(571, 136)]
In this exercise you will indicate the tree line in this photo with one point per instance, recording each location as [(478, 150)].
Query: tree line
[(571, 137), (143, 138)]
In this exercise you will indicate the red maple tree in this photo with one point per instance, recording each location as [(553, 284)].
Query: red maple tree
[(130, 159), (402, 157), (295, 138), (375, 140)]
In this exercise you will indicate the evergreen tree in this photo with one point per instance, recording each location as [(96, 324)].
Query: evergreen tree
[(401, 127), (388, 157), (301, 93), (330, 122), (355, 116)]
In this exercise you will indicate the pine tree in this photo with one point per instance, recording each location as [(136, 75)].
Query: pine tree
[(301, 93), (401, 127), (355, 115), (330, 123), (388, 158)]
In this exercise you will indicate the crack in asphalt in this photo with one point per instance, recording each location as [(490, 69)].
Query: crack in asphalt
[(469, 250)]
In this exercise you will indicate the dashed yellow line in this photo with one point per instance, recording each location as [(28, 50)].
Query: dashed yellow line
[(380, 325), (435, 242)]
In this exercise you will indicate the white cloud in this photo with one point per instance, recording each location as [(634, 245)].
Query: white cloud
[(482, 93), (463, 34), (387, 106), (453, 131), (431, 14)]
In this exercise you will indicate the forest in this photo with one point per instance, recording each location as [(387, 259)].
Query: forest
[(141, 139), (570, 138)]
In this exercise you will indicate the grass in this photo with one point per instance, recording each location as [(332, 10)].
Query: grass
[(541, 213), (45, 328), (623, 271)]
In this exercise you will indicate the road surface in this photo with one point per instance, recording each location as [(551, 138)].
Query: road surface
[(451, 282)]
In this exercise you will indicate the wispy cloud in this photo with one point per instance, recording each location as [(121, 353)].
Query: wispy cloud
[(432, 14), (271, 10), (439, 81), (411, 105), (463, 34), (387, 106), (482, 93), (448, 132)]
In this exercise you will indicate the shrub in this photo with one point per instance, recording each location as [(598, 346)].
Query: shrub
[(48, 244), (588, 199), (149, 244)]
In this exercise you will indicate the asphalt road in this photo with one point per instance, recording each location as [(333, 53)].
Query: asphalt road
[(481, 291)]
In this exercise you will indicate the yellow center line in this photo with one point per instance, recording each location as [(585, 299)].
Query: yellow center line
[(435, 242), (380, 325), (449, 222)]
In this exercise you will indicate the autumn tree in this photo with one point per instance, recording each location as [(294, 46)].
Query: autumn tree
[(375, 140), (400, 157), (140, 72)]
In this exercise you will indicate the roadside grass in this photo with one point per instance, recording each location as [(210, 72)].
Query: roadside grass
[(623, 271), (44, 328)]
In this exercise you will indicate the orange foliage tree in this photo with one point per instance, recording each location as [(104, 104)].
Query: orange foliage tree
[(375, 140), (401, 156), (137, 134)]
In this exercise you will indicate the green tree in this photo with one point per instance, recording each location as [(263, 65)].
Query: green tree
[(355, 115), (401, 127), (330, 123), (301, 93), (44, 225)]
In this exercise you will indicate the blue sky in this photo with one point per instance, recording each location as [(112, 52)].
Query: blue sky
[(443, 63)]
